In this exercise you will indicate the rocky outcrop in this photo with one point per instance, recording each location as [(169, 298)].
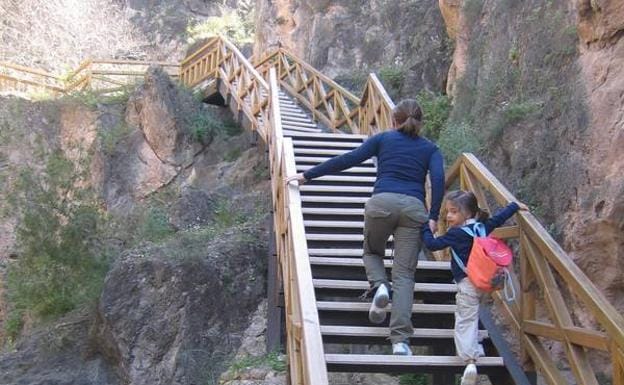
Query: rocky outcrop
[(352, 38), (173, 314), (595, 220)]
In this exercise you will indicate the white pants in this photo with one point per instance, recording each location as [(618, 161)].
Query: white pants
[(467, 321)]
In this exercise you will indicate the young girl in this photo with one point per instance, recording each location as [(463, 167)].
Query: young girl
[(462, 210)]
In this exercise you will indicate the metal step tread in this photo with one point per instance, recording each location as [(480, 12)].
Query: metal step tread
[(358, 262), (360, 170), (330, 135), (312, 159), (373, 331), (323, 144), (364, 285), (364, 307), (392, 360)]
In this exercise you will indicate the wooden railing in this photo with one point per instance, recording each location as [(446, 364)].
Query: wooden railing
[(304, 343), (258, 100), (549, 280), (27, 80), (99, 75), (329, 103)]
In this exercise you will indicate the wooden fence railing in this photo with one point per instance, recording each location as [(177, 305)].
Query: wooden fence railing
[(549, 280), (305, 346), (331, 104), (99, 75), (258, 100)]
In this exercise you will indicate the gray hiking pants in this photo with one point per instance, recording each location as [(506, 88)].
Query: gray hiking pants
[(403, 216)]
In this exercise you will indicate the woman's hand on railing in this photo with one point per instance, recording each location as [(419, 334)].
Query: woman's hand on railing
[(298, 177), (433, 225), (522, 206)]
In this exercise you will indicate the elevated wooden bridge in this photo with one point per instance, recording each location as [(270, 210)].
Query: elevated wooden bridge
[(303, 118)]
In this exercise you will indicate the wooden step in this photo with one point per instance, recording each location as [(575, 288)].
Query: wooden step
[(360, 170), (331, 136), (333, 199), (331, 211), (381, 332), (392, 363), (364, 306), (299, 119), (317, 252), (304, 129), (358, 262), (323, 144), (333, 224), (291, 123), (363, 285), (336, 189), (319, 151), (338, 237), (313, 159), (346, 178)]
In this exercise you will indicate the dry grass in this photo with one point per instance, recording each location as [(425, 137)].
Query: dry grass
[(57, 34)]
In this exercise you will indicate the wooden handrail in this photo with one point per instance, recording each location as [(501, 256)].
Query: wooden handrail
[(539, 255), (375, 107)]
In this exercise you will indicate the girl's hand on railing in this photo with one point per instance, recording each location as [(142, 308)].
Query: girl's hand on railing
[(298, 177)]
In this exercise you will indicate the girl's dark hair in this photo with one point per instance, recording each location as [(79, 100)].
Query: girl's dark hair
[(408, 117), (467, 203)]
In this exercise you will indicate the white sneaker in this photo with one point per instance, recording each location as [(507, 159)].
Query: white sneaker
[(377, 312), (470, 375), (401, 349)]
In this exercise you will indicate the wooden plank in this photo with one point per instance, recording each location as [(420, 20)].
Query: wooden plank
[(363, 307), (346, 178), (364, 285), (342, 252), (315, 369), (507, 232), (336, 189), (576, 335), (337, 135), (360, 170), (319, 151), (542, 359), (313, 159), (577, 357), (332, 211), (324, 144), (357, 262), (334, 224), (339, 237), (368, 331), (386, 359)]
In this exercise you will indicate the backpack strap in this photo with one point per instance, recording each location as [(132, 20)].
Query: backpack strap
[(458, 260), (479, 230)]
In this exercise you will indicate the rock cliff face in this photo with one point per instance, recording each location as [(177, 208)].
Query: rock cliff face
[(348, 38), (181, 290), (565, 61)]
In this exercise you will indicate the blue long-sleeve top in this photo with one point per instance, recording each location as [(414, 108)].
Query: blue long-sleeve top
[(402, 165), (461, 242)]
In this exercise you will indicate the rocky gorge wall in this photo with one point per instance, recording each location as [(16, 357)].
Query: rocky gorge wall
[(348, 39)]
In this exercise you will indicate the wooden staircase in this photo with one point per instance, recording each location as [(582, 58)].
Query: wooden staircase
[(333, 208), (301, 117)]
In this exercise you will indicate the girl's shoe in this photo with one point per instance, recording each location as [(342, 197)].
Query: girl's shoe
[(470, 375), (401, 349), (377, 312)]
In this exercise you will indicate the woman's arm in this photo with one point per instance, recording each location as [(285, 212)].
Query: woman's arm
[(436, 174), (344, 161)]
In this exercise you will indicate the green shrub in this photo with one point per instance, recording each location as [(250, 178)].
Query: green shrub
[(436, 110), (110, 138), (60, 264), (392, 78), (413, 379), (236, 26), (457, 138), (155, 225)]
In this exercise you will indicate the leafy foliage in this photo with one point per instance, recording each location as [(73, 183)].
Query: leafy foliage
[(436, 110), (60, 264)]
